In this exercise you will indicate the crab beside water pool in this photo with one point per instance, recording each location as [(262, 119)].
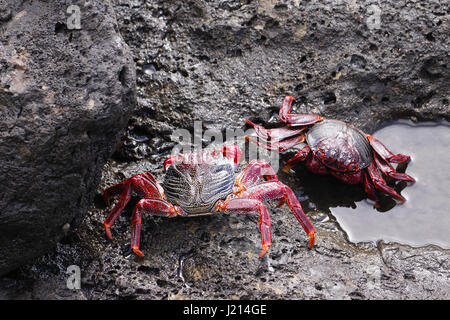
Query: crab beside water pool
[(333, 147)]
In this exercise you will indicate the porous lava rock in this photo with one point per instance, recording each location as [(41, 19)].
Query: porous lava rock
[(66, 93)]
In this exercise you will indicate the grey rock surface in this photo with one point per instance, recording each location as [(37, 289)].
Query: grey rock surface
[(65, 97), (222, 62), (225, 61)]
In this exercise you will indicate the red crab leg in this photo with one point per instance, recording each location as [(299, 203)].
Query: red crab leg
[(285, 108), (150, 177), (239, 205), (296, 119), (379, 182), (272, 190), (255, 170), (278, 146), (385, 153), (143, 183), (140, 183), (276, 134), (116, 210), (252, 173), (231, 152), (369, 187), (389, 171), (112, 191), (303, 119), (298, 157), (157, 207)]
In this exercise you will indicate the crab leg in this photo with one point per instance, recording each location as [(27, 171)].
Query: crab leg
[(278, 146), (369, 187), (143, 183), (389, 171), (157, 207), (116, 211), (240, 205), (296, 119), (379, 182), (285, 108), (232, 152), (301, 155), (150, 177), (254, 171), (385, 153), (276, 134), (140, 183), (112, 191), (272, 190), (302, 119)]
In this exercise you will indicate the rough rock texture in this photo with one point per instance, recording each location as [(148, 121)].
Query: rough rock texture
[(65, 97), (225, 61)]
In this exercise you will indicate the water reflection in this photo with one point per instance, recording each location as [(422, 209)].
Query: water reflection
[(425, 217)]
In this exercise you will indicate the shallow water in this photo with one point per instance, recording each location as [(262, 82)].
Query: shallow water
[(425, 217)]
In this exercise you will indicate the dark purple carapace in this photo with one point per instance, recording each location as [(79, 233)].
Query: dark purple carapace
[(339, 146), (333, 147), (206, 183)]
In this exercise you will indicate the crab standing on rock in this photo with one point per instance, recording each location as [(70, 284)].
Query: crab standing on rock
[(333, 147), (206, 183)]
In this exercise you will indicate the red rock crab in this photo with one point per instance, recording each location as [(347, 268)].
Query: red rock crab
[(333, 147), (205, 183)]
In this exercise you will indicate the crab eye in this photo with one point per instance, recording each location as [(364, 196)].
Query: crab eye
[(352, 166)]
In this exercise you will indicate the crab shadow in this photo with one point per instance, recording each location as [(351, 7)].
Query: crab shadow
[(180, 235), (323, 192)]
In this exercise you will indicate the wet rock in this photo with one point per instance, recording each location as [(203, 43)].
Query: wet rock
[(222, 62), (66, 93)]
